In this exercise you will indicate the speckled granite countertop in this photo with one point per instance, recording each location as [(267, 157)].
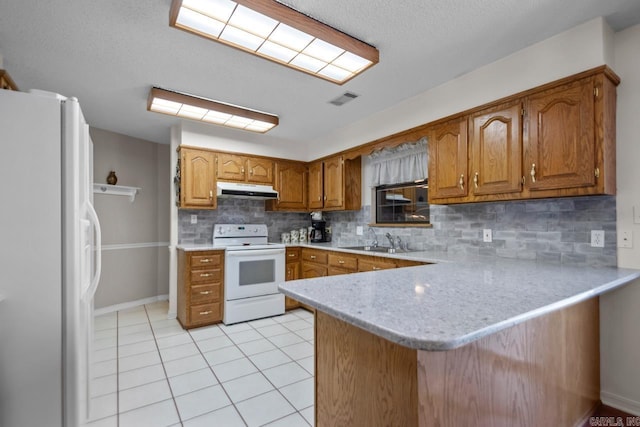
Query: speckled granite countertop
[(454, 301)]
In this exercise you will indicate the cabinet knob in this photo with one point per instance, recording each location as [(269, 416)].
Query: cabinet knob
[(210, 194), (376, 268), (312, 257), (340, 261), (204, 261), (475, 180), (292, 255), (205, 292), (461, 182), (205, 274), (242, 170), (533, 172)]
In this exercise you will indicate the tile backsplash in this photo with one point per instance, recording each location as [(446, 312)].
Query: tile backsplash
[(550, 230)]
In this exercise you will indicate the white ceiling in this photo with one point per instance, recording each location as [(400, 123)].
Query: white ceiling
[(109, 53)]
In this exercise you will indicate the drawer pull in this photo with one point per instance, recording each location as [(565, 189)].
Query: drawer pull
[(205, 274), (312, 257), (204, 313), (205, 261), (340, 261), (205, 292), (292, 255), (376, 268)]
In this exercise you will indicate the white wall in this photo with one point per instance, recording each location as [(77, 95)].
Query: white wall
[(620, 310), (200, 135), (575, 50)]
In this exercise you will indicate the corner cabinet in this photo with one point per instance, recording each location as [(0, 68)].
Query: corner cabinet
[(196, 179), (232, 167), (557, 140), (291, 184), (335, 184), (200, 287)]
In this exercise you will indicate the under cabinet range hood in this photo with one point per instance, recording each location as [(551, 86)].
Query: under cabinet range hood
[(246, 191)]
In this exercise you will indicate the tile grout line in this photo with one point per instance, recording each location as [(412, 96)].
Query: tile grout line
[(216, 377), (166, 377)]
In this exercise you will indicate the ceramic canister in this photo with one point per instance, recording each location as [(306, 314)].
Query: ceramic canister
[(285, 237), (295, 236), (303, 234)]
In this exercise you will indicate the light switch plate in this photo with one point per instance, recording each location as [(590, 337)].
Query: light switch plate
[(625, 239), (487, 235), (194, 219), (359, 230), (597, 238)]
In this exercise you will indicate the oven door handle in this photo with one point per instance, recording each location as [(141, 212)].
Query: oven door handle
[(254, 252)]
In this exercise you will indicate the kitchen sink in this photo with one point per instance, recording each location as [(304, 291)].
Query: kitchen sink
[(374, 249)]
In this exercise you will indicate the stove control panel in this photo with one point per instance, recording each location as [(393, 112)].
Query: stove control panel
[(240, 230)]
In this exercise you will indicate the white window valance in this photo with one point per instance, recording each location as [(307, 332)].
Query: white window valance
[(404, 163)]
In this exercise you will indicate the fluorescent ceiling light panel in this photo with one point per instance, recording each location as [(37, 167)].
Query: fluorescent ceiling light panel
[(207, 110), (274, 31)]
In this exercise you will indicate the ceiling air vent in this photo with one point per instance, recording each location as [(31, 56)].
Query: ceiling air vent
[(343, 99)]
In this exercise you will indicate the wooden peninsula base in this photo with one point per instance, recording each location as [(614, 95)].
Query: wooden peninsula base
[(545, 371)]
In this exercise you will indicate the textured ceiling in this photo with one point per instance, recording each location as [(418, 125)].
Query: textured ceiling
[(109, 53)]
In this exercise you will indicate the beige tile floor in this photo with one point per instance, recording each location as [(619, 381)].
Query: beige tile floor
[(148, 371)]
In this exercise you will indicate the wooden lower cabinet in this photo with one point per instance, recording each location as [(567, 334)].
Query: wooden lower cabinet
[(370, 263), (200, 287), (292, 272), (543, 372)]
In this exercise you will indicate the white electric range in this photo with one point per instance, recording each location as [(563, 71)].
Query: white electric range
[(253, 269)]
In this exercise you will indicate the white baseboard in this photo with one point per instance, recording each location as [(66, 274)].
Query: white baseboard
[(131, 304), (619, 402)]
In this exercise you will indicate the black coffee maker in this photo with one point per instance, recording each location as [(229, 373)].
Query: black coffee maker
[(319, 231)]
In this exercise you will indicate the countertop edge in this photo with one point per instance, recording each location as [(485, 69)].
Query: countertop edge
[(432, 345)]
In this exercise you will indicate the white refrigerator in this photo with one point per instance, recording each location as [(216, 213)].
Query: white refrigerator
[(49, 260)]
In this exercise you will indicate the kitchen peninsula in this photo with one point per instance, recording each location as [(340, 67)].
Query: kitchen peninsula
[(463, 341)]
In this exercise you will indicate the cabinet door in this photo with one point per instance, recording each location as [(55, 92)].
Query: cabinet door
[(334, 183), (292, 271), (560, 150), (291, 184), (310, 270), (448, 160), (259, 170), (495, 137), (198, 179), (231, 167), (316, 192)]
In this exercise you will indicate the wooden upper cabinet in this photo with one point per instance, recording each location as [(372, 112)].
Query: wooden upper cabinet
[(495, 137), (334, 183), (448, 160), (260, 171), (291, 185), (560, 150), (316, 180), (198, 179), (232, 167)]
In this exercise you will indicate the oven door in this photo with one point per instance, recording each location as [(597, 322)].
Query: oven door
[(253, 272)]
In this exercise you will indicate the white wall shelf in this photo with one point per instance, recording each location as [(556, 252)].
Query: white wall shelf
[(116, 190)]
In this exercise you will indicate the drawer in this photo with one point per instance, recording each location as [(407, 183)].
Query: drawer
[(201, 294), (205, 313), (206, 260), (336, 271), (293, 254), (319, 257), (373, 264), (347, 262), (206, 276)]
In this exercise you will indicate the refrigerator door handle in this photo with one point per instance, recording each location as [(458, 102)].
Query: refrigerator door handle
[(93, 218)]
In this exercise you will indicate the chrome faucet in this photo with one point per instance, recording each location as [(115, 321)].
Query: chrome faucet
[(375, 238), (391, 241), (398, 243)]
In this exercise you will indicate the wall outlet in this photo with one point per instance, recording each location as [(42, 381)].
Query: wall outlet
[(486, 235), (625, 239), (597, 238), (359, 230), (194, 219)]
